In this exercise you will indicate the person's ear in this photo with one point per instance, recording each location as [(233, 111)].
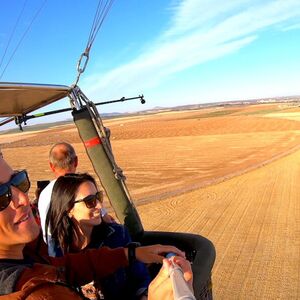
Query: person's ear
[(70, 213), (76, 162), (52, 167)]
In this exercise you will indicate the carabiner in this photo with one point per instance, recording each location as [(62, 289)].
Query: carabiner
[(86, 55)]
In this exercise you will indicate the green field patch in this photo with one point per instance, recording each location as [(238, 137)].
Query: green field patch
[(218, 113), (259, 112)]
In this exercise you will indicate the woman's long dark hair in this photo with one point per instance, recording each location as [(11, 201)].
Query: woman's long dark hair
[(61, 226)]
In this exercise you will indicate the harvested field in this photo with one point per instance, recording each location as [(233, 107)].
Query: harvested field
[(254, 222), (228, 174)]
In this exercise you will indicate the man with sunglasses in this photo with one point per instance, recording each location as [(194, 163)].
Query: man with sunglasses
[(62, 160), (41, 277)]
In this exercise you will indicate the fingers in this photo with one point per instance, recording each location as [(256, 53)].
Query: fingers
[(155, 253), (164, 249), (186, 267), (169, 265), (183, 263), (166, 265), (161, 286)]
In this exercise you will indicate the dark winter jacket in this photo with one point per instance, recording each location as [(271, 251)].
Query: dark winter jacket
[(126, 283)]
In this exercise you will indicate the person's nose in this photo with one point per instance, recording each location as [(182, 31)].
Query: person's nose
[(19, 198)]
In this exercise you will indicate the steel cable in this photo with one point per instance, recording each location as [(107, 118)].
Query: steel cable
[(13, 32), (23, 36), (100, 15)]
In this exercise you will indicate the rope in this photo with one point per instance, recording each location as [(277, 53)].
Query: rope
[(13, 31), (104, 134), (101, 13), (23, 36), (103, 8)]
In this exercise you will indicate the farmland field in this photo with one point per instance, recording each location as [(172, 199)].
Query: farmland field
[(230, 174)]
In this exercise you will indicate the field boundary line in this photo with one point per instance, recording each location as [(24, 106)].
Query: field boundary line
[(214, 181)]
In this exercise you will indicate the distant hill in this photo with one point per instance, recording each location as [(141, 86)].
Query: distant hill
[(36, 127), (287, 99), (113, 115)]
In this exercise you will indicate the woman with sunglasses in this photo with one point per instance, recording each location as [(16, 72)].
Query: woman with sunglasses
[(75, 223), (33, 275)]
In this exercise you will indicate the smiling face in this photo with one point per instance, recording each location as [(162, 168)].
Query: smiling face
[(83, 216), (17, 224)]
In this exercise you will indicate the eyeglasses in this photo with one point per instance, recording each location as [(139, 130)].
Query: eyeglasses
[(19, 180), (91, 200)]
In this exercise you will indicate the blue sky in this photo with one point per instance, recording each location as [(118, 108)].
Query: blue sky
[(173, 52)]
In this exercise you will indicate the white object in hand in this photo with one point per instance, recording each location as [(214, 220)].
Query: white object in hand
[(181, 289)]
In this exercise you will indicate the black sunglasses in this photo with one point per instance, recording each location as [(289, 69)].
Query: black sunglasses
[(19, 180), (91, 200)]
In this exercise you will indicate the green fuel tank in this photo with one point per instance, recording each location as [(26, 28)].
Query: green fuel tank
[(115, 188)]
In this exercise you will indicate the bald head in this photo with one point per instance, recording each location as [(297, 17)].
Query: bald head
[(63, 159)]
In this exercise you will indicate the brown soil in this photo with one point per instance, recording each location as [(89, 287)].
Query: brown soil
[(254, 222), (230, 176)]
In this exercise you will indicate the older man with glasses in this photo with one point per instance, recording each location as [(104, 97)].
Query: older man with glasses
[(42, 277)]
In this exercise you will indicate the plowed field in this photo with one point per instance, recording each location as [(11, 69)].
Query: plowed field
[(230, 174)]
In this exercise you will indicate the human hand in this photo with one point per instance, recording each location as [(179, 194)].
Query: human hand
[(154, 253), (185, 266), (161, 286), (108, 219)]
